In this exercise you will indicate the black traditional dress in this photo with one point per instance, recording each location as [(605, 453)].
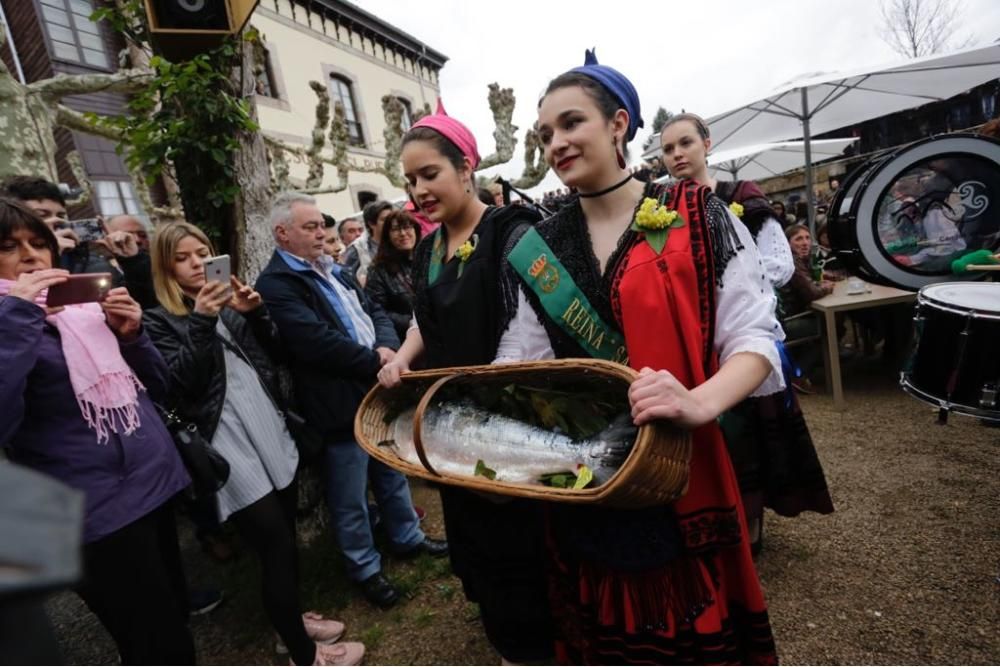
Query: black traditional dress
[(496, 545), (772, 451)]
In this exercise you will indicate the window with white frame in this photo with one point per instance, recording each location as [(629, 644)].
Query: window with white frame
[(72, 35), (407, 113), (116, 198), (341, 90)]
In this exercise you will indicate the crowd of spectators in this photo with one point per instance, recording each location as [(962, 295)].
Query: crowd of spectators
[(177, 391)]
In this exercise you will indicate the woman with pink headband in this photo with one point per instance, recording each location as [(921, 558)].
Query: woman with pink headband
[(463, 303)]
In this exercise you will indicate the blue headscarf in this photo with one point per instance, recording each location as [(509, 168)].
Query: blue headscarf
[(618, 85)]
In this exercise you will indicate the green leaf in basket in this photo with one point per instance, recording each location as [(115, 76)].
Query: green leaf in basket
[(584, 476), (482, 471), (558, 480)]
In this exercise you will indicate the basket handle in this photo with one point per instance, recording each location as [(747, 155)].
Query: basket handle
[(418, 421)]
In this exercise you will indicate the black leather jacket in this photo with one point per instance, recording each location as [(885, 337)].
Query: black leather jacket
[(196, 358), (394, 292)]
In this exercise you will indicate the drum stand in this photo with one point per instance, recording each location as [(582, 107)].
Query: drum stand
[(963, 340)]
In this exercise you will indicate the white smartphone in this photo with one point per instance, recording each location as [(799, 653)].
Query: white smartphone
[(218, 268)]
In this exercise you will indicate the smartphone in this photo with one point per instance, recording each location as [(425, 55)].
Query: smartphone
[(88, 230), (80, 288), (218, 268)]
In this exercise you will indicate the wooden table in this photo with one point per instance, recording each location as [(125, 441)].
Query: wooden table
[(838, 302)]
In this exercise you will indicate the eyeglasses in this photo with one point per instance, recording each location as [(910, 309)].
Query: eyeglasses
[(402, 230)]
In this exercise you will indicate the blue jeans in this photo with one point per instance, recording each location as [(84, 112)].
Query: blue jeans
[(348, 469)]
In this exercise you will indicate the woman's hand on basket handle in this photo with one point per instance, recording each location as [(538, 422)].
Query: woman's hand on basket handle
[(389, 375), (659, 395), (412, 347)]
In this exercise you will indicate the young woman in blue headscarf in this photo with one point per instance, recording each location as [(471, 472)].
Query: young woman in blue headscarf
[(674, 283)]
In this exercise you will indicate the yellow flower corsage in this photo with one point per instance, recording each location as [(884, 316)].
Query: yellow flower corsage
[(652, 215), (737, 209), (464, 251), (655, 220)]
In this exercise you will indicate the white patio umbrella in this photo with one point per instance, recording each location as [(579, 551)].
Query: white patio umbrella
[(830, 100), (765, 160)]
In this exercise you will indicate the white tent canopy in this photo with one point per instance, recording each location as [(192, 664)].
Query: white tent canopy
[(827, 101), (766, 160)]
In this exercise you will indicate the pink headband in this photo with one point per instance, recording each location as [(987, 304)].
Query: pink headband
[(453, 131)]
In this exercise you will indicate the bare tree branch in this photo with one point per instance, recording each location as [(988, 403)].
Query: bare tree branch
[(63, 85), (916, 28), (501, 101), (75, 163), (392, 109), (72, 119), (535, 166), (315, 151)]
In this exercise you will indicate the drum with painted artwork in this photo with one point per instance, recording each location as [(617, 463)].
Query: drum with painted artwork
[(901, 219)]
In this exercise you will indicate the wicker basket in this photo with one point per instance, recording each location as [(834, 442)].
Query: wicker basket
[(655, 472)]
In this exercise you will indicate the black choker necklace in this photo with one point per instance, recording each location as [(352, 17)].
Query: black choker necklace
[(587, 195)]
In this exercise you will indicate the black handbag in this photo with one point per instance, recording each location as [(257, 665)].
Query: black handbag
[(208, 469)]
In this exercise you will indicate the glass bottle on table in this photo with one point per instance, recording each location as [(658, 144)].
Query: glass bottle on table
[(816, 266)]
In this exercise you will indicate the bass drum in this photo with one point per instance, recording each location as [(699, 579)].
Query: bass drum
[(902, 218)]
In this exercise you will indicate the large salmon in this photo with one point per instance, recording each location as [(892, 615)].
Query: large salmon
[(456, 436)]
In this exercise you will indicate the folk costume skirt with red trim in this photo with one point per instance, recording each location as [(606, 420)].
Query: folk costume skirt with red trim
[(705, 606)]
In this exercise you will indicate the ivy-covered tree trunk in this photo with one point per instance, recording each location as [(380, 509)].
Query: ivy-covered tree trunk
[(253, 239)]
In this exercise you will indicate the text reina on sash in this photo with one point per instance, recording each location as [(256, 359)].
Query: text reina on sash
[(579, 321)]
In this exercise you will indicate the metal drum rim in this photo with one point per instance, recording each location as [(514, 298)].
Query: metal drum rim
[(976, 313), (942, 404)]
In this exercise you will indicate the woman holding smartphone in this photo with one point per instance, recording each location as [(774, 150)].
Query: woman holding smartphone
[(222, 350), (78, 389)]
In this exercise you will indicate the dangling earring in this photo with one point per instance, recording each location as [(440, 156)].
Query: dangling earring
[(618, 154)]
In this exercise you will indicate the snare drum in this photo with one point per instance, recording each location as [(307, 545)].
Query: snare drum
[(956, 361)]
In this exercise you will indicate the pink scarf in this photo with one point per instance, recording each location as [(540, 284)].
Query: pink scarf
[(105, 387)]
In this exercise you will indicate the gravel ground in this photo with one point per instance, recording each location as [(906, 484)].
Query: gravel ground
[(905, 571)]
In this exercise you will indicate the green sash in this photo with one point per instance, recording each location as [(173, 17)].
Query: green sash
[(563, 301), (437, 258)]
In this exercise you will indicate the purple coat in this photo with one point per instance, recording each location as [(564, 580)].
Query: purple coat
[(41, 425)]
